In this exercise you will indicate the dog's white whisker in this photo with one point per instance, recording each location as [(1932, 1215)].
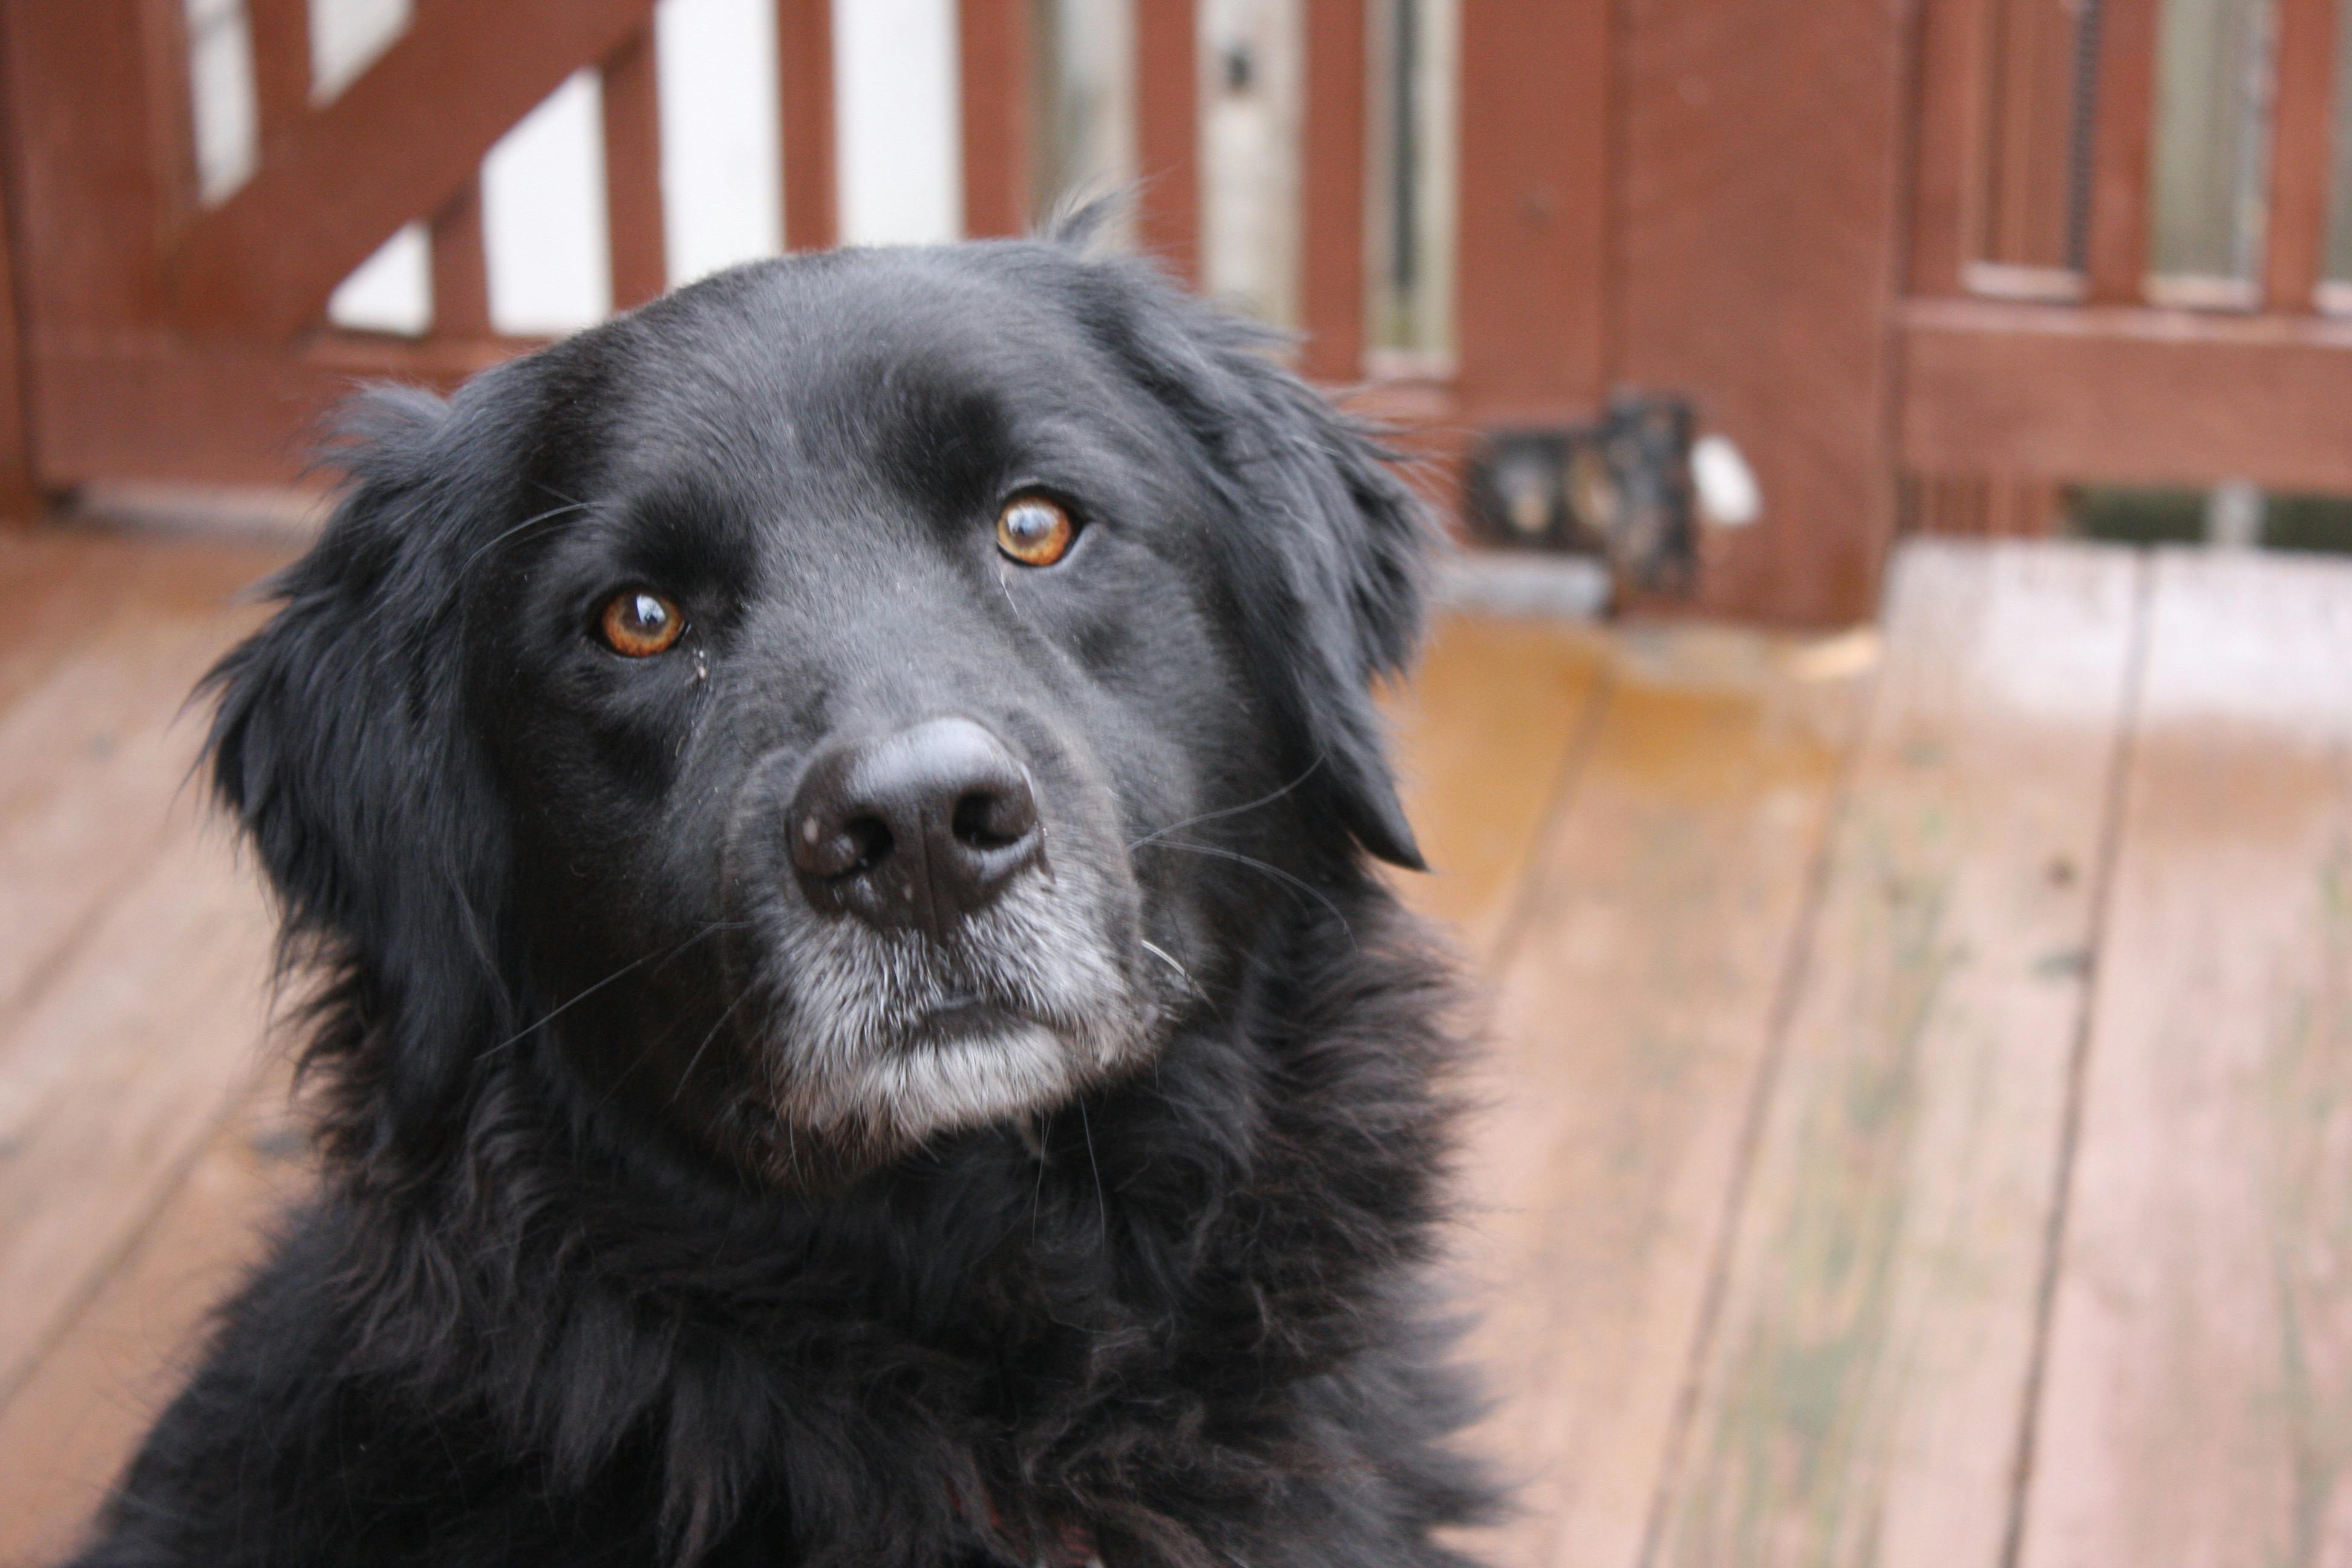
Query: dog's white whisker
[(1157, 834), (1164, 956)]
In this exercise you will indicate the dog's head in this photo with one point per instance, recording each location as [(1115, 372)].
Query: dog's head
[(853, 698)]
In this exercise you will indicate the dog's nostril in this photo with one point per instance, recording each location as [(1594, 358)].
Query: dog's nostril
[(992, 819), (870, 842), (828, 845)]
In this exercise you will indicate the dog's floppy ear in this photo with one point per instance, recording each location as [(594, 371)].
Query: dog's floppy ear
[(1329, 543), (338, 742)]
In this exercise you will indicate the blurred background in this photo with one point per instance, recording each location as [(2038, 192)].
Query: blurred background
[(1886, 742)]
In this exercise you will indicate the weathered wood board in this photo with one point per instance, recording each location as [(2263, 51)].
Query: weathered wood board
[(133, 950), (1632, 1016), (74, 1421), (2199, 1393), (1861, 1396), (1485, 734)]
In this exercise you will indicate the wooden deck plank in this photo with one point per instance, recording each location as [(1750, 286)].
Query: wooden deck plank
[(62, 588), (119, 1073), (1484, 732), (1863, 1395), (132, 950), (72, 1424), (1631, 1024), (2199, 1393), (90, 764), (97, 746)]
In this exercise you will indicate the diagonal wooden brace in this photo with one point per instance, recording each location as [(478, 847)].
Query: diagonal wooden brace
[(397, 142)]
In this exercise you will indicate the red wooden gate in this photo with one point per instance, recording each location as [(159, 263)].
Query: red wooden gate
[(1774, 209), (2097, 370)]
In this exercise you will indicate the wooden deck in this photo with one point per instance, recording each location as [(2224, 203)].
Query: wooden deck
[(1920, 1124)]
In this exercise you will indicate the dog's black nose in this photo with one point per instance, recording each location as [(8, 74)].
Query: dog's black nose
[(914, 830)]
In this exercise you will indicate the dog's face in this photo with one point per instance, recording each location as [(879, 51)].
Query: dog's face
[(851, 700)]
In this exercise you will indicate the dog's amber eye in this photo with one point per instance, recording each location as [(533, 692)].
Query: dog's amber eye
[(640, 623), (1035, 531)]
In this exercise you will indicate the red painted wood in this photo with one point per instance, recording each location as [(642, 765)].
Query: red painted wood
[(86, 190), (632, 187), (20, 501), (394, 144), (222, 412), (2120, 155), (2126, 393), (1331, 296), (281, 68), (1535, 206), (997, 74), (1758, 256), (461, 284), (804, 85), (1947, 192), (2303, 150), (1168, 133)]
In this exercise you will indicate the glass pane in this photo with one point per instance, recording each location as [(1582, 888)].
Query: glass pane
[(1410, 197), (2213, 139), (1250, 109), (2038, 133)]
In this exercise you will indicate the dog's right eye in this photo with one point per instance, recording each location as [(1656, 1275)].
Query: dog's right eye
[(640, 623)]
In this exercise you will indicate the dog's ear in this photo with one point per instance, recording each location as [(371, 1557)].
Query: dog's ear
[(1329, 543), (340, 743)]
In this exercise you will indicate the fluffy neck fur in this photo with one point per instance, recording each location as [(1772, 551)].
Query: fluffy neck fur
[(1165, 1327)]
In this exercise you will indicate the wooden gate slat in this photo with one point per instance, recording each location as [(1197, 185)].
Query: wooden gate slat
[(281, 68), (2124, 117), (2199, 1396), (97, 182), (1955, 95), (1167, 134), (2303, 153), (461, 274), (804, 104), (19, 498), (1864, 1395), (1332, 151), (632, 185), (992, 37)]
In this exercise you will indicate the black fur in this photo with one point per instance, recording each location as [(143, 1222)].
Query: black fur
[(575, 1290)]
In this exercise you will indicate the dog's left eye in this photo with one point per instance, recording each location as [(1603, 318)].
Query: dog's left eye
[(1034, 531), (639, 623)]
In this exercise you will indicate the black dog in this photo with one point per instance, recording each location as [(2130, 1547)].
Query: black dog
[(858, 1027)]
